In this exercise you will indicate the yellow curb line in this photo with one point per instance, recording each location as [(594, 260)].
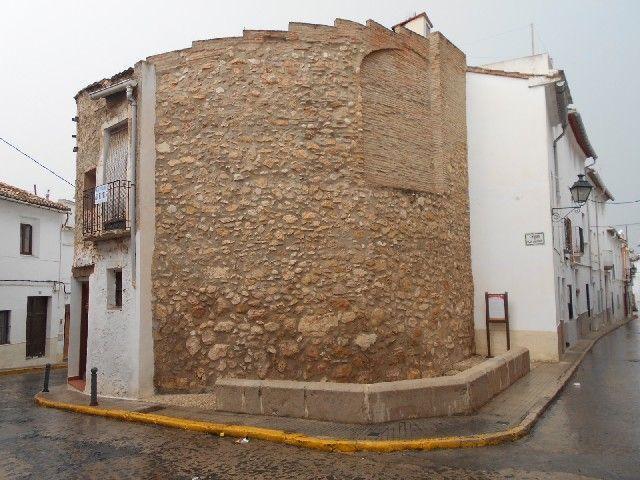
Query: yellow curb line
[(18, 371), (296, 439), (324, 443)]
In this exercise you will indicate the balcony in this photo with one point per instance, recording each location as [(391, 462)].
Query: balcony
[(607, 259), (110, 216)]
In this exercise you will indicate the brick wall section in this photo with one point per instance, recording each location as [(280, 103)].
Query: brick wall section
[(398, 121)]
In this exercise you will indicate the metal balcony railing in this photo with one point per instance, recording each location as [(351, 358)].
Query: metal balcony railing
[(111, 214)]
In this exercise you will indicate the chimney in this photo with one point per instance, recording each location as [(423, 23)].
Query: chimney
[(419, 24), (47, 195), (35, 190)]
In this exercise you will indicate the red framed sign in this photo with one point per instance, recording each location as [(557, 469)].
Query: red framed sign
[(496, 311)]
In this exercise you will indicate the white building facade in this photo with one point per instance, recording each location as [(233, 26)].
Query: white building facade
[(527, 145), (36, 250)]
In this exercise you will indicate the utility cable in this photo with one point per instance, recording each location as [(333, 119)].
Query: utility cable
[(37, 162)]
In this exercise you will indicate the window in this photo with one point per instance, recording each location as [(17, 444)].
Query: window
[(117, 154), (588, 299), (4, 327), (118, 287), (581, 239), (114, 288), (26, 239), (567, 236)]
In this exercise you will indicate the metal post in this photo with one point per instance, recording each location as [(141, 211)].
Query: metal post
[(533, 43), (94, 387), (47, 372)]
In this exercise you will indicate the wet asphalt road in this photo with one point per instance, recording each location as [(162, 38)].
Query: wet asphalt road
[(591, 431)]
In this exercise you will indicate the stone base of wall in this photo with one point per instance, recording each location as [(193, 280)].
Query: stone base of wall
[(13, 355), (458, 394), (542, 346)]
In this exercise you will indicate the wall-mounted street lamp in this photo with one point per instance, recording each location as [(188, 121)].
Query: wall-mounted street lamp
[(580, 191)]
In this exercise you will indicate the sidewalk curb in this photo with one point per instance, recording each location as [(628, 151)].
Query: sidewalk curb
[(335, 444), (38, 368)]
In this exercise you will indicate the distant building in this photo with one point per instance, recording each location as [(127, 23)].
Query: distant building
[(562, 267), (36, 247)]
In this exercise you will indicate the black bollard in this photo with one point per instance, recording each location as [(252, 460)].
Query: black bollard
[(47, 372), (94, 387)]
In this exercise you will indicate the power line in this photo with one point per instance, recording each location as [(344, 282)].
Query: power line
[(495, 35), (37, 162), (616, 203)]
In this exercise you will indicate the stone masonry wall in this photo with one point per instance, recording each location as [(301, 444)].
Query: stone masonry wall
[(92, 115), (312, 218)]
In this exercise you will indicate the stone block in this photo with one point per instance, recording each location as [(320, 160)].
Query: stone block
[(478, 389), (518, 363), (283, 398), (406, 399), (238, 395), (342, 402)]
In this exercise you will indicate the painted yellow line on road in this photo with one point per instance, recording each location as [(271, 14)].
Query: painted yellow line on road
[(39, 368), (332, 444), (296, 439)]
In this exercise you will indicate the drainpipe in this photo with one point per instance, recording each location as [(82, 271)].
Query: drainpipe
[(132, 156), (555, 161), (602, 307), (561, 101)]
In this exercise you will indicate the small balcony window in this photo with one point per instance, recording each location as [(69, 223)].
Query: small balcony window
[(111, 210)]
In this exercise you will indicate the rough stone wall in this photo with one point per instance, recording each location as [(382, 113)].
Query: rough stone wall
[(278, 254)]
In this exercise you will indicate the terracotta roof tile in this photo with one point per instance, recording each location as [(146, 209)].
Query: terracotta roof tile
[(500, 73), (14, 193)]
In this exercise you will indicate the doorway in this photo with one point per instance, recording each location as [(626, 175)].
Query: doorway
[(67, 324), (36, 326), (84, 330)]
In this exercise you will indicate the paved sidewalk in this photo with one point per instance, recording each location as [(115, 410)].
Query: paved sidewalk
[(511, 413)]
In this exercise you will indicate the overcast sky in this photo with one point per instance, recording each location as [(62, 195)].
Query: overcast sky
[(51, 49)]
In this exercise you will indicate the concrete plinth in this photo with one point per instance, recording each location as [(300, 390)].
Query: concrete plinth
[(458, 394)]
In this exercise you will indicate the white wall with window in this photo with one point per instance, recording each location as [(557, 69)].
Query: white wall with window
[(34, 285), (519, 185)]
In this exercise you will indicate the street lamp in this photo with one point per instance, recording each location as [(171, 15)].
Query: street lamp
[(580, 190)]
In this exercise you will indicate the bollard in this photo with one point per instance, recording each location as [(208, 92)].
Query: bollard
[(47, 372), (94, 387)]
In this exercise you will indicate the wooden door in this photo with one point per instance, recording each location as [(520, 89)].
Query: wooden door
[(36, 326), (84, 330), (67, 322)]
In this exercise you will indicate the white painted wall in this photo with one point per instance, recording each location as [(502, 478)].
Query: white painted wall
[(510, 196), (113, 332), (419, 25), (534, 64), (514, 182), (34, 275)]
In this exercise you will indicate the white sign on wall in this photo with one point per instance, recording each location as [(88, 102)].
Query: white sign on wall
[(536, 238), (100, 194)]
